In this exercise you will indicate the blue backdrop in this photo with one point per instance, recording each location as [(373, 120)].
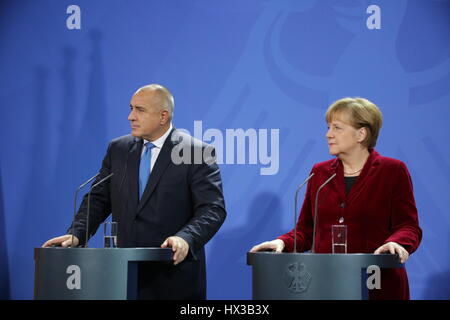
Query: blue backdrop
[(270, 68)]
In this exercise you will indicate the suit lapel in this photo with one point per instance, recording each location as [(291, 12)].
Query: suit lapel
[(161, 164), (367, 170), (134, 158), (338, 181)]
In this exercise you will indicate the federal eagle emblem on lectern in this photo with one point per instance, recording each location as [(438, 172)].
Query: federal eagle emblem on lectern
[(297, 278)]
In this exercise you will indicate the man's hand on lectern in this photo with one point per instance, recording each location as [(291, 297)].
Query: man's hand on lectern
[(62, 241), (179, 246)]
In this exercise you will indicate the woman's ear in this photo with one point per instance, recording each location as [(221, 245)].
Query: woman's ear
[(362, 134)]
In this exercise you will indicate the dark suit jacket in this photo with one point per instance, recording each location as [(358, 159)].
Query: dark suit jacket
[(379, 208), (184, 199)]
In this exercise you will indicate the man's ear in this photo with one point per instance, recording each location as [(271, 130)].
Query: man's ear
[(164, 116)]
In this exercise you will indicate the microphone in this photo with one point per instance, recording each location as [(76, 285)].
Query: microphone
[(75, 200), (295, 213), (88, 206), (315, 211)]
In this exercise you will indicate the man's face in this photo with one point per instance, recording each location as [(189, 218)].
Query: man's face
[(146, 117)]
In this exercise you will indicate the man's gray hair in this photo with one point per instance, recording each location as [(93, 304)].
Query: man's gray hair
[(168, 102)]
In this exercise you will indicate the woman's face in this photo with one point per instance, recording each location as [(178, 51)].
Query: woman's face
[(343, 138)]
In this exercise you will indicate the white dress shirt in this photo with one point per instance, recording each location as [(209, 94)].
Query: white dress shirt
[(157, 148)]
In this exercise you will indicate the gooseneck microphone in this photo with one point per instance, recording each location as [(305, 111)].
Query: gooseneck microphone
[(75, 201), (88, 206), (315, 212), (295, 208)]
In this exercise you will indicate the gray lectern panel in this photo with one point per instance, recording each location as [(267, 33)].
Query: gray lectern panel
[(91, 273), (305, 276)]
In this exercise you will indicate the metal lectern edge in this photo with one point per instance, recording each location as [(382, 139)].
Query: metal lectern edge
[(383, 260)]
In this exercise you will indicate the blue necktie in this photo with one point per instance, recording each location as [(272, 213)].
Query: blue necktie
[(144, 168)]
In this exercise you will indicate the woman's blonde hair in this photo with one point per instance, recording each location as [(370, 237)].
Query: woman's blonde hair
[(359, 113)]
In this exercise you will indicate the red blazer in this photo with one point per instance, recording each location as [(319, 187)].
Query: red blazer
[(379, 208)]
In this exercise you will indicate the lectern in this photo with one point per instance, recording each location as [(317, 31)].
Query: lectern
[(91, 273), (308, 276)]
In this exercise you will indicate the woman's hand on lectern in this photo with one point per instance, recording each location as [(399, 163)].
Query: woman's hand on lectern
[(394, 248), (276, 245), (62, 241)]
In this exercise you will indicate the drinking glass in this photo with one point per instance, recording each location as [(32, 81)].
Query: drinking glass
[(339, 238), (110, 234)]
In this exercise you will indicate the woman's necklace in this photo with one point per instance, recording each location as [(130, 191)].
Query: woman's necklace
[(352, 173)]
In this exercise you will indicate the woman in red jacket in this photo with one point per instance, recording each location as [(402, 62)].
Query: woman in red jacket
[(372, 195)]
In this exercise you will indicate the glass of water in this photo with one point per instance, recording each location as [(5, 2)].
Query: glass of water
[(110, 234), (339, 238)]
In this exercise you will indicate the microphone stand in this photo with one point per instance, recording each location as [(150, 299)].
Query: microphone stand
[(88, 206), (295, 213), (315, 212), (75, 201)]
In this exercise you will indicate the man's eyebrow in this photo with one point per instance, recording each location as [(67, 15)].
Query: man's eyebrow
[(137, 106)]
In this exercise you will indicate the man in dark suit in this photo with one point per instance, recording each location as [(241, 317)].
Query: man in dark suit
[(166, 191)]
